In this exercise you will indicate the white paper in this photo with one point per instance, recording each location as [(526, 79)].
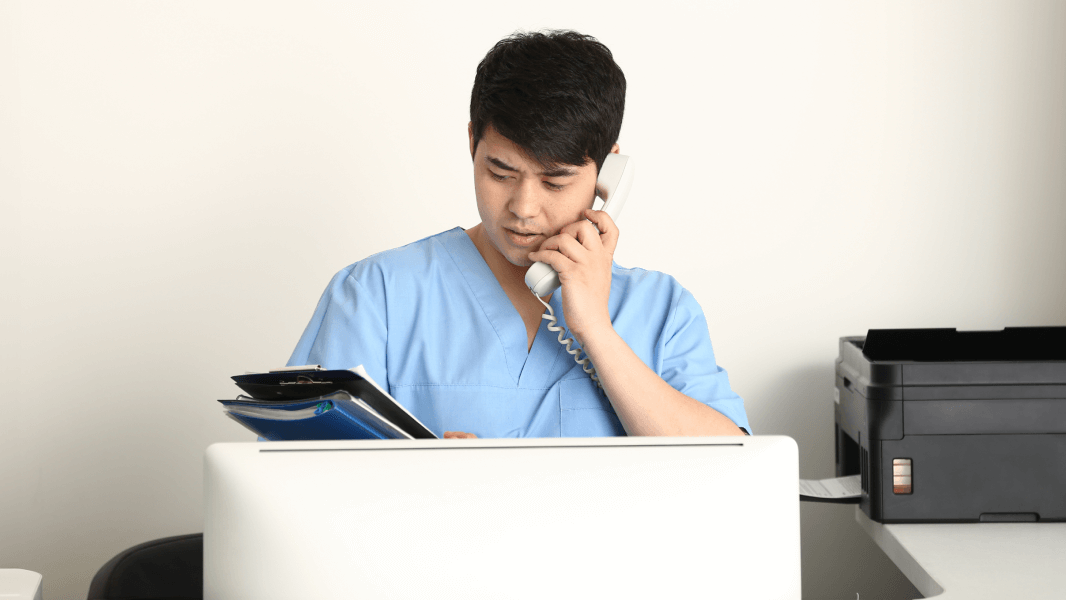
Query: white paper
[(834, 488), (297, 368), (272, 414), (359, 370)]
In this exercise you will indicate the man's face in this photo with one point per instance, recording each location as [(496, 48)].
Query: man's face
[(521, 202)]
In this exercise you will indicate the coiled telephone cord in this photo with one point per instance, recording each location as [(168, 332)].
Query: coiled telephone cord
[(586, 363)]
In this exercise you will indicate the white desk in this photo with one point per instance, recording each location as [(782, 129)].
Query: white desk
[(952, 561)]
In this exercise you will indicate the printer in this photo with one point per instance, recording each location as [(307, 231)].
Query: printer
[(954, 426)]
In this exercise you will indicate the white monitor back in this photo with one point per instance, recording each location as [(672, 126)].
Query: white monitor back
[(540, 518)]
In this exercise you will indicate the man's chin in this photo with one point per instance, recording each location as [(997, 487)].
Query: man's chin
[(524, 263), (515, 256)]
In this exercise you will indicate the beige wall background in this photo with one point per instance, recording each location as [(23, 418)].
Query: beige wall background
[(179, 180)]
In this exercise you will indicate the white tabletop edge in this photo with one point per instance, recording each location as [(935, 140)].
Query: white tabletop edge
[(899, 555), (976, 560)]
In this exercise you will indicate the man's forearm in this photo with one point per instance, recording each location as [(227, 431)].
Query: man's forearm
[(645, 404)]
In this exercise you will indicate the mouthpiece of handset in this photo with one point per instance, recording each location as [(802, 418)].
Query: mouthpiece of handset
[(542, 279)]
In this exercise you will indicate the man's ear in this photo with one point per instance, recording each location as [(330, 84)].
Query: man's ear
[(470, 134), (615, 149)]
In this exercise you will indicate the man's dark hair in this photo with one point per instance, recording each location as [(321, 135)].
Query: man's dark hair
[(558, 94)]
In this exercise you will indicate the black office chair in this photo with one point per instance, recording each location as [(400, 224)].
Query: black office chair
[(165, 569)]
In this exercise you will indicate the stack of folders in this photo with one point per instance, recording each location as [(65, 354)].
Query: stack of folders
[(309, 403)]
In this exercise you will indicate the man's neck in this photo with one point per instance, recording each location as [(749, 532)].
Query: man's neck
[(513, 281), (510, 276)]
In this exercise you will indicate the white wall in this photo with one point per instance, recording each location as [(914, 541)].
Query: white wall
[(180, 180)]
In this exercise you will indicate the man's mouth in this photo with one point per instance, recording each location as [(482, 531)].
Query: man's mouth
[(521, 238)]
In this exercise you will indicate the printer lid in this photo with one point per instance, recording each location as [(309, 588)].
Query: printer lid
[(951, 345)]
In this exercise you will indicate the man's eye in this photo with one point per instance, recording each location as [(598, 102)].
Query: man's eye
[(497, 176), (553, 186)]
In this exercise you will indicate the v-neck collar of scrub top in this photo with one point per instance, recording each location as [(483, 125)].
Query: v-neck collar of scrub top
[(528, 368)]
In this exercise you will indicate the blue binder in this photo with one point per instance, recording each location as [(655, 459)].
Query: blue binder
[(311, 381), (336, 416)]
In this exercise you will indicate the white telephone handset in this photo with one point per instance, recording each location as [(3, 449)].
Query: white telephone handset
[(613, 183)]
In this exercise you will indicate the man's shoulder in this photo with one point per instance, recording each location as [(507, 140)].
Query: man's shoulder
[(638, 280), (409, 261), (652, 292)]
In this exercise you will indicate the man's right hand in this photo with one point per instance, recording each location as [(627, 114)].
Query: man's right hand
[(459, 435)]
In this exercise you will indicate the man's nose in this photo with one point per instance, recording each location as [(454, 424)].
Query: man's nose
[(526, 199)]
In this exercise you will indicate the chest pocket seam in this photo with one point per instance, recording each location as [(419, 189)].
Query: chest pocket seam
[(586, 414)]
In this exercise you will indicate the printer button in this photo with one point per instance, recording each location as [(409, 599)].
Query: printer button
[(901, 476)]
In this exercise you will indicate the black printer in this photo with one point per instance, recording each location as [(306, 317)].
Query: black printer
[(954, 426)]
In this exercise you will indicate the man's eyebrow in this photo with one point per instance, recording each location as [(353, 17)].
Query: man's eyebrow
[(499, 163), (556, 171)]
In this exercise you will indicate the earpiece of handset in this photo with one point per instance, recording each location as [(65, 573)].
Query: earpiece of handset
[(616, 177), (613, 183)]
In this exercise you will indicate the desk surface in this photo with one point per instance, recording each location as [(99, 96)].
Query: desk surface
[(951, 561)]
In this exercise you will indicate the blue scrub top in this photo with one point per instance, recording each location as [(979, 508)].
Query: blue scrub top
[(431, 324)]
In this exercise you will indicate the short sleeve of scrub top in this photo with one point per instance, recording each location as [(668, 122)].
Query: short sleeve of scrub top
[(431, 324)]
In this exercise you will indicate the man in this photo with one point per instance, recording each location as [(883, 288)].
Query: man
[(447, 323)]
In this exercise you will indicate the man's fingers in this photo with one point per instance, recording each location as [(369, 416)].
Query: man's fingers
[(570, 247), (606, 226), (458, 435), (549, 253), (575, 240), (589, 235)]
